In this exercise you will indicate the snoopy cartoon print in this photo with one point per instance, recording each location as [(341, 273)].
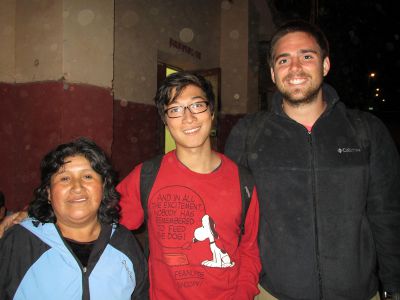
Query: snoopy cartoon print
[(220, 258)]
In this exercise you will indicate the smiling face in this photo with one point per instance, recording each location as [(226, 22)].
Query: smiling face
[(75, 193), (298, 68), (190, 130)]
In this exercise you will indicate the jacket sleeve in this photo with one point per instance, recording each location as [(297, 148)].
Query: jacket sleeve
[(131, 208), (383, 206), (250, 264), (142, 278), (142, 288), (5, 259), (16, 257)]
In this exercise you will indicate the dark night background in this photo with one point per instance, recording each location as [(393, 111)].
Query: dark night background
[(364, 38)]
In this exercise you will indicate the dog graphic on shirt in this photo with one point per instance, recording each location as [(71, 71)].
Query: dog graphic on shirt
[(220, 257)]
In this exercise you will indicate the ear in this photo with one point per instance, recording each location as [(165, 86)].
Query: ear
[(272, 75), (326, 65), (48, 194)]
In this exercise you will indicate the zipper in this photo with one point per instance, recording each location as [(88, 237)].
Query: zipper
[(85, 280), (314, 196)]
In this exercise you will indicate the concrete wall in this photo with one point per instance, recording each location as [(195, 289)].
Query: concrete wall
[(224, 32), (7, 37), (143, 33), (88, 41), (234, 56), (38, 40), (55, 84), (143, 30), (89, 67)]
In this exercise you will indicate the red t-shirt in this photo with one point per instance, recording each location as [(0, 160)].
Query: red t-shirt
[(193, 226), (308, 127)]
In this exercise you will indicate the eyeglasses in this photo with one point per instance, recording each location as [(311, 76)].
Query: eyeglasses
[(194, 108)]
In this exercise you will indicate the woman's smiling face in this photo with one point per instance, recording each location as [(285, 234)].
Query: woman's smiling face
[(75, 192)]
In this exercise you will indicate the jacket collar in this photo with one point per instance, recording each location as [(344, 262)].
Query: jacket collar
[(330, 96)]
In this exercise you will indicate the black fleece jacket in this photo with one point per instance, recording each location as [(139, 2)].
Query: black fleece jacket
[(329, 201)]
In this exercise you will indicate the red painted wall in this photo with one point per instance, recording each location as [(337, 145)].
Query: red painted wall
[(36, 117), (136, 135)]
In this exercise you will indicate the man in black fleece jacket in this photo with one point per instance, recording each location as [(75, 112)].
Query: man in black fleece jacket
[(328, 180)]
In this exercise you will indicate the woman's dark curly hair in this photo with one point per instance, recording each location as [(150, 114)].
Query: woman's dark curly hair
[(109, 208)]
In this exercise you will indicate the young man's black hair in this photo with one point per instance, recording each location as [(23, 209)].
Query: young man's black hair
[(175, 83)]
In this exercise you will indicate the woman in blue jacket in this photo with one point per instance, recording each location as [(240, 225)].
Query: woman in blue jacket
[(72, 247)]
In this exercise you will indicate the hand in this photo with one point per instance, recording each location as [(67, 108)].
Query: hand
[(11, 220)]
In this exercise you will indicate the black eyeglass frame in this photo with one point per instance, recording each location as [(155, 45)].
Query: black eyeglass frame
[(166, 111)]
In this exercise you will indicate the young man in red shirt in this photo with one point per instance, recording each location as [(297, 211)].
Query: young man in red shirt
[(194, 208)]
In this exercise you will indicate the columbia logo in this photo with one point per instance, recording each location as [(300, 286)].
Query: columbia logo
[(130, 273), (348, 150)]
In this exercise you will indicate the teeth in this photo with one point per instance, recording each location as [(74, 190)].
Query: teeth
[(78, 200), (297, 81), (191, 130)]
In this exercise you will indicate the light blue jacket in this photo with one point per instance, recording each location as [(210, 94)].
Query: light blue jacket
[(36, 263)]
